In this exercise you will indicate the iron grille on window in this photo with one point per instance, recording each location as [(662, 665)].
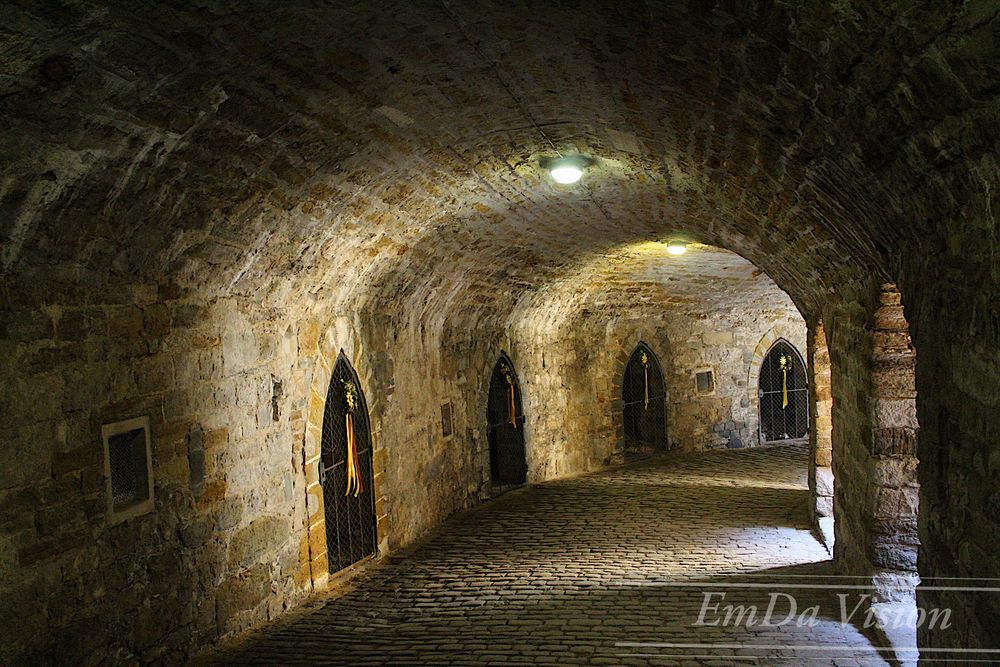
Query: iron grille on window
[(784, 395), (643, 402), (128, 468), (346, 471), (705, 381), (127, 462), (505, 426)]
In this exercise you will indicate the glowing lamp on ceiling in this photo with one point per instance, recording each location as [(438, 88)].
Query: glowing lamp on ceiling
[(566, 174), (567, 170)]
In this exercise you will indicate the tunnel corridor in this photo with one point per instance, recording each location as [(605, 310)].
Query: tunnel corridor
[(297, 291)]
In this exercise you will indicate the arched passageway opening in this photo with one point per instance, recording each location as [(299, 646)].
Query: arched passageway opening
[(783, 394), (505, 427), (346, 471), (644, 412)]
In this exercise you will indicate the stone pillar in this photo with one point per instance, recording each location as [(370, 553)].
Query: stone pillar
[(821, 433), (894, 542)]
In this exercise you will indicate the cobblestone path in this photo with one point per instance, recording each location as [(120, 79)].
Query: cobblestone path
[(606, 569)]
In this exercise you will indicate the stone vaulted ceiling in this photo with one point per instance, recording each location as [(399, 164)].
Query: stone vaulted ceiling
[(203, 204), (643, 281), (348, 155)]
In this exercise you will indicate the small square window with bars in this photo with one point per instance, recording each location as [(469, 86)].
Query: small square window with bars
[(128, 469), (705, 382)]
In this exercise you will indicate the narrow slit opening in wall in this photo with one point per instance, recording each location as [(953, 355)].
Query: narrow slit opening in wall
[(447, 427)]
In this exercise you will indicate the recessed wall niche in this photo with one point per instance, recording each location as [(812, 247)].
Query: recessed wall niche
[(447, 427), (705, 381), (128, 469)]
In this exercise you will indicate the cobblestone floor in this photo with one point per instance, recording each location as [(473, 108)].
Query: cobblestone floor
[(605, 569)]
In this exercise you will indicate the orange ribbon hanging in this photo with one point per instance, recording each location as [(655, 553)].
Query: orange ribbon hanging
[(352, 474), (645, 376), (784, 381), (353, 463), (513, 408)]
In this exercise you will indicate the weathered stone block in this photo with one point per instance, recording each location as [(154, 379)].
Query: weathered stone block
[(892, 412), (893, 503), (52, 547), (891, 555), (24, 326), (228, 514), (156, 320), (898, 441), (824, 481), (895, 472), (242, 592), (824, 457), (60, 518), (718, 338), (263, 536), (196, 460), (196, 533)]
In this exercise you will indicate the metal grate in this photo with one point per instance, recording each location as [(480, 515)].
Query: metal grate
[(350, 518), (644, 402), (127, 465), (783, 374), (508, 465)]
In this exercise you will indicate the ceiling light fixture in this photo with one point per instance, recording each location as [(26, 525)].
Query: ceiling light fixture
[(566, 174), (566, 170), (676, 247)]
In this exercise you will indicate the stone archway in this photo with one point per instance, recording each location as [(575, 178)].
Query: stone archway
[(796, 339), (783, 393), (505, 427), (315, 556), (620, 363), (346, 471), (643, 396)]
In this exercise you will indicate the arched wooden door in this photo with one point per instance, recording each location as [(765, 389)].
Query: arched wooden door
[(784, 394), (644, 402), (505, 426), (346, 473)]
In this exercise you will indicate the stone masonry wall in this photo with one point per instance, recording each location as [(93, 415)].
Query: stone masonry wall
[(644, 295), (228, 550), (875, 496), (848, 331), (732, 345), (234, 547), (220, 552), (957, 340)]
